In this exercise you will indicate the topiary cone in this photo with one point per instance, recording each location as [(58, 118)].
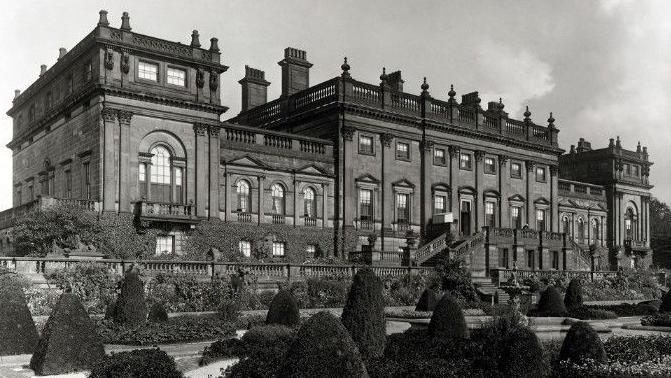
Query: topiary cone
[(573, 296), (363, 314), (427, 301), (551, 303), (18, 334), (323, 348), (283, 309), (157, 313), (69, 340), (448, 319), (665, 306), (130, 306), (522, 355), (581, 343)]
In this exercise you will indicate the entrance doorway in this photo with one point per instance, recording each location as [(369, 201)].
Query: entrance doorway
[(465, 218)]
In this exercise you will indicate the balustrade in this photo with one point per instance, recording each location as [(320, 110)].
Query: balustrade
[(310, 221), (244, 217), (277, 141), (161, 209), (279, 219)]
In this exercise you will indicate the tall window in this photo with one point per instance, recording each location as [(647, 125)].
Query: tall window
[(595, 230), (68, 184), (147, 71), (439, 204), (31, 113), (278, 249), (581, 231), (516, 217), (244, 199), (18, 195), (516, 170), (566, 225), (142, 179), (161, 174), (402, 208), (277, 194), (31, 193), (365, 145), (309, 203), (490, 214), (490, 165), (540, 174), (245, 248), (165, 244), (503, 258), (439, 156), (555, 260), (87, 179), (178, 184), (402, 151), (88, 71), (70, 85), (366, 207), (540, 220), (531, 263), (465, 161), (176, 76), (630, 224)]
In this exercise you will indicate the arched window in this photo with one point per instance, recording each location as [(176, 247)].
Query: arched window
[(309, 203), (244, 199), (630, 224), (581, 231), (159, 179), (277, 193), (566, 225), (595, 231)]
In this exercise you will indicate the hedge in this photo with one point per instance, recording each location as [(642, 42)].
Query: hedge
[(363, 314), (137, 363), (262, 351)]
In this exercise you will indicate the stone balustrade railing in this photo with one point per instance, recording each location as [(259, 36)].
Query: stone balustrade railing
[(501, 275)]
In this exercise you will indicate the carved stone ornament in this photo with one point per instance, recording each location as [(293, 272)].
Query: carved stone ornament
[(214, 130), (109, 59), (479, 155), (348, 133), (109, 115), (214, 81), (453, 151), (386, 139), (125, 63), (125, 117), (530, 165), (427, 145), (200, 129), (503, 159), (200, 78)]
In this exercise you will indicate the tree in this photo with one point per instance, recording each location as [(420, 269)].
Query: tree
[(130, 306), (456, 280), (573, 296), (448, 319), (582, 343), (660, 232), (17, 329)]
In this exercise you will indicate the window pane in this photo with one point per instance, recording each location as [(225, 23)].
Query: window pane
[(278, 249), (160, 165), (176, 76), (365, 144), (277, 193), (148, 71), (164, 244), (245, 247)]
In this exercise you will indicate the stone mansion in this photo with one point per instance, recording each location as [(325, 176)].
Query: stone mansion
[(130, 126)]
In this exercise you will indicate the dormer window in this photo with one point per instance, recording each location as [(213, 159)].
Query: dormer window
[(147, 71)]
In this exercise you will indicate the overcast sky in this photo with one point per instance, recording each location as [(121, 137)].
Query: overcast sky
[(603, 68)]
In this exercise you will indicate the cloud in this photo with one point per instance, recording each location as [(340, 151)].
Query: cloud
[(515, 74)]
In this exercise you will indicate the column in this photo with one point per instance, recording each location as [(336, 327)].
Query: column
[(602, 230), (325, 205), (349, 195), (201, 168), (227, 199), (479, 187), (529, 205), (296, 209), (124, 160), (386, 194), (620, 220), (504, 186), (554, 198), (425, 194), (214, 172), (647, 221), (454, 181), (260, 200), (109, 188)]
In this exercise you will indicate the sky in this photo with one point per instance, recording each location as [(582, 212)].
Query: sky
[(602, 67)]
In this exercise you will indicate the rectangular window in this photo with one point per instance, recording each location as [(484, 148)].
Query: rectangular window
[(490, 214), (88, 71), (178, 185), (555, 260), (439, 204), (70, 85), (439, 157), (366, 208), (165, 244), (636, 170), (86, 177), (515, 170), (176, 76), (50, 185), (402, 208), (540, 174), (365, 145), (278, 249), (465, 162), (515, 217), (31, 193), (531, 263), (311, 250), (18, 196), (245, 248), (68, 184), (402, 151), (147, 71), (490, 165), (627, 168), (540, 220), (503, 258)]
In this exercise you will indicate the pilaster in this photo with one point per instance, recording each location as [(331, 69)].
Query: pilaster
[(213, 131), (386, 192), (124, 160), (426, 178), (454, 184), (554, 198), (504, 187), (530, 165), (200, 130), (109, 117), (479, 187), (349, 189)]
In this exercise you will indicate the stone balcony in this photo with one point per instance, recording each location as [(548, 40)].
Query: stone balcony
[(148, 211)]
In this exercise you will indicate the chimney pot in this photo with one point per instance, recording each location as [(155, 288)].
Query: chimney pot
[(254, 88), (214, 45), (17, 93), (195, 40), (102, 21), (61, 52), (125, 22), (43, 69), (295, 71)]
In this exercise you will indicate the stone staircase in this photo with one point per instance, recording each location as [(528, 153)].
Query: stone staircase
[(488, 290), (430, 253)]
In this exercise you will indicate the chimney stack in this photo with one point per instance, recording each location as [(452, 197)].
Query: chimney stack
[(195, 40), (17, 93), (214, 45), (125, 22), (61, 52), (295, 71), (102, 21), (43, 69), (254, 88), (395, 81)]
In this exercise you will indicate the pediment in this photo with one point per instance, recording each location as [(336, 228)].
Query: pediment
[(248, 161), (516, 198), (368, 179), (542, 201), (312, 170), (403, 183)]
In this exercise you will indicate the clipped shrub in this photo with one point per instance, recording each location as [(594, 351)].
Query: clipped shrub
[(584, 312), (219, 350), (17, 329), (427, 301), (582, 343), (637, 348), (522, 355), (551, 303), (363, 314), (229, 308), (573, 296), (157, 313), (323, 348), (663, 319), (137, 363), (262, 351), (448, 319), (69, 340), (130, 306), (283, 310), (665, 306)]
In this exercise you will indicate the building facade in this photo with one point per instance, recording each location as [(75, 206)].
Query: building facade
[(130, 126)]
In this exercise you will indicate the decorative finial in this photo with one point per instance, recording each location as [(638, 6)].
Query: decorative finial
[(425, 85), (551, 121), (527, 114), (500, 105), (383, 76), (638, 147), (618, 144), (195, 39), (611, 143), (345, 68), (451, 93), (125, 22), (102, 21), (214, 45)]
